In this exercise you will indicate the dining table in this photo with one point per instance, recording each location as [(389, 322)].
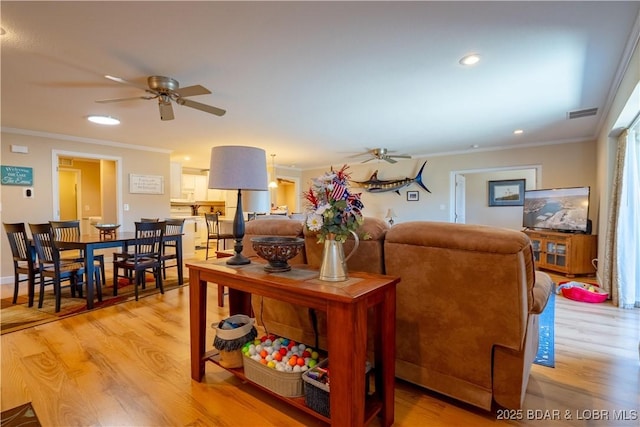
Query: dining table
[(89, 243)]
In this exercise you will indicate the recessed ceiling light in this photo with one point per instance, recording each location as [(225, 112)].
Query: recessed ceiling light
[(475, 146), (471, 59), (518, 132), (187, 158), (104, 120)]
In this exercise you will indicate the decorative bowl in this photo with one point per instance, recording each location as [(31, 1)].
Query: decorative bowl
[(277, 251), (107, 230)]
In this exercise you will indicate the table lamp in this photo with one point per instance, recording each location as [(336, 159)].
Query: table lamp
[(238, 168), (391, 214)]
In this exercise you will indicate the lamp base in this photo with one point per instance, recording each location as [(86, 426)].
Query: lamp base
[(238, 234), (238, 259)]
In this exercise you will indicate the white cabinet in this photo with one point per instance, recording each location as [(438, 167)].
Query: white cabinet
[(201, 232), (188, 239), (175, 175), (194, 187), (216, 195), (201, 187)]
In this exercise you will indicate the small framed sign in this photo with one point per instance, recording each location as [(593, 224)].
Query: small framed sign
[(508, 192), (146, 184), (413, 196), (16, 175)]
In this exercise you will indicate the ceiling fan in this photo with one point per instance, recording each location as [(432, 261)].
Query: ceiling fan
[(166, 89), (381, 154)]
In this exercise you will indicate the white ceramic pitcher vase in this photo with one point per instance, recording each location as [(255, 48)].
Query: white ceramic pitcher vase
[(334, 263)]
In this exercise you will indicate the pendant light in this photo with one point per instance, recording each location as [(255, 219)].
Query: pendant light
[(273, 183)]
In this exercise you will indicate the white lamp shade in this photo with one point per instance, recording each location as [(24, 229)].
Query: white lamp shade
[(256, 201), (238, 168)]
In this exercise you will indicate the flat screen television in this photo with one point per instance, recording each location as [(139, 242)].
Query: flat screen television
[(557, 209)]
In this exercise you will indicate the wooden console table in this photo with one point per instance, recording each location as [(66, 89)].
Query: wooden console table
[(346, 304)]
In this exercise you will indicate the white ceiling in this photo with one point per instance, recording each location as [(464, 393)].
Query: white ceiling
[(315, 82)]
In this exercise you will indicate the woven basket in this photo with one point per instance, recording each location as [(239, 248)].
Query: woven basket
[(287, 384), (316, 393), (230, 359), (230, 341)]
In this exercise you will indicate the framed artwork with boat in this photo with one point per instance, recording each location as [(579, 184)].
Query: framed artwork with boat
[(507, 192)]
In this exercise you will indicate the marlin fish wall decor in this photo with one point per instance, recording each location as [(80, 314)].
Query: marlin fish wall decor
[(375, 185)]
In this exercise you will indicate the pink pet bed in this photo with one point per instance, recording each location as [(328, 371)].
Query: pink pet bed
[(584, 292)]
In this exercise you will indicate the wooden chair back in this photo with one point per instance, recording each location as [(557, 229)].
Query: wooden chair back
[(19, 242), (148, 240), (44, 242), (65, 230), (174, 226), (213, 224)]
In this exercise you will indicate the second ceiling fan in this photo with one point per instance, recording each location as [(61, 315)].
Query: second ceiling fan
[(381, 154), (167, 90)]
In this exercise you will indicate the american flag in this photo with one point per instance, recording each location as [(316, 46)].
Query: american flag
[(339, 192)]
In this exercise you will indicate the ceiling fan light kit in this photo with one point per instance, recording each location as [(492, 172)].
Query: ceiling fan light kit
[(167, 89)]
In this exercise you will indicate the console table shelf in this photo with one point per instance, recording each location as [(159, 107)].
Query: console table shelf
[(346, 303), (372, 404)]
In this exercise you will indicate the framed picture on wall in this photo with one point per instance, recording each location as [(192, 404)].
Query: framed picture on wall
[(413, 196), (507, 192)]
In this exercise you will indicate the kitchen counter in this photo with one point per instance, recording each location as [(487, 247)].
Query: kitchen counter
[(199, 207)]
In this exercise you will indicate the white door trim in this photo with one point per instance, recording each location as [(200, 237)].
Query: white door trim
[(55, 160)]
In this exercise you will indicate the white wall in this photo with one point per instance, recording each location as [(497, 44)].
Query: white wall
[(478, 210), (15, 208), (562, 165)]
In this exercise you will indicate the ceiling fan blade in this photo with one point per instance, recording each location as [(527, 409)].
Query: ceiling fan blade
[(389, 159), (126, 82), (368, 160), (366, 153), (401, 156), (201, 107), (106, 101), (166, 110), (192, 91)]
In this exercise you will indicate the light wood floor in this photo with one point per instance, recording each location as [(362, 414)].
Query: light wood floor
[(128, 365)]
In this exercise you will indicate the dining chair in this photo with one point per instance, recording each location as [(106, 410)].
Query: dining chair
[(171, 250), (213, 233), (24, 259), (54, 270), (147, 249), (69, 230), (149, 219)]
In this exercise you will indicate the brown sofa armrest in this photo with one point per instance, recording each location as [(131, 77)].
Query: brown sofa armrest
[(541, 291)]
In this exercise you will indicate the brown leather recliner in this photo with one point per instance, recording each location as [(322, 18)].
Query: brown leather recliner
[(467, 309), (467, 304)]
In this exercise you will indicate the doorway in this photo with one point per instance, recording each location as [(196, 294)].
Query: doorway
[(475, 202), (99, 199), (69, 194), (287, 194)]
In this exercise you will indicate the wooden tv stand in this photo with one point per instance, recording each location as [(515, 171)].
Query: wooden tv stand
[(567, 253), (346, 304)]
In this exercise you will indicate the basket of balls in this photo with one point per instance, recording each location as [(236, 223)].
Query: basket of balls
[(277, 364)]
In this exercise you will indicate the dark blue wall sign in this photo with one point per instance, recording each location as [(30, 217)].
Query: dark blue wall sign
[(16, 175)]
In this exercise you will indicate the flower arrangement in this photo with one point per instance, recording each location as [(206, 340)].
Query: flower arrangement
[(333, 210)]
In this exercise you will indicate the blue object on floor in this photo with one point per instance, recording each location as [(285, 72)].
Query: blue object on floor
[(545, 356)]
